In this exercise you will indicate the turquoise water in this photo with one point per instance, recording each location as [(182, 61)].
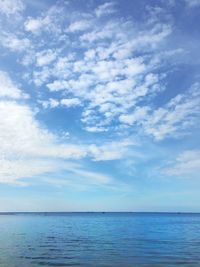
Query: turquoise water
[(99, 239)]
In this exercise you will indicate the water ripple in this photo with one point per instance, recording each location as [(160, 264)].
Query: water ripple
[(106, 240)]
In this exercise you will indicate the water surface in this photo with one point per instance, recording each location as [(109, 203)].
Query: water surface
[(99, 239)]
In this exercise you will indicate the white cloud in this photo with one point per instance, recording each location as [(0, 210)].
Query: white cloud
[(66, 102), (192, 3), (12, 171), (170, 120), (111, 151), (47, 22), (70, 102), (14, 43), (108, 66), (179, 114), (105, 9), (20, 134), (82, 179), (138, 115), (11, 7), (95, 129), (186, 165), (63, 65), (109, 31), (28, 149), (57, 85), (33, 25), (45, 57), (79, 25), (41, 76), (109, 81), (22, 138), (94, 177), (8, 88), (51, 103)]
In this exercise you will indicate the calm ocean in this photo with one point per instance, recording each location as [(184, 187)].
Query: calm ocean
[(99, 239)]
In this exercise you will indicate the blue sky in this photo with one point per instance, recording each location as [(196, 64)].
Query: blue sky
[(99, 105)]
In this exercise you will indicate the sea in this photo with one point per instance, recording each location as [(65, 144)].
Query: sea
[(103, 239)]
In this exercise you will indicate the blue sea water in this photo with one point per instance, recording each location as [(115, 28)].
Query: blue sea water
[(99, 239)]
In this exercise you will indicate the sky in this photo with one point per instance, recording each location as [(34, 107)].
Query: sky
[(99, 105)]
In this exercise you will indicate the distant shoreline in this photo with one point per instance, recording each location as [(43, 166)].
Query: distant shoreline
[(92, 212)]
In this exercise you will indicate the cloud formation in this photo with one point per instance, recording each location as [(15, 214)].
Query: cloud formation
[(193, 3), (11, 7), (100, 67), (8, 88), (28, 149), (186, 165), (110, 70)]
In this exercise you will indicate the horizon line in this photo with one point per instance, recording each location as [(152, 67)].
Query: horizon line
[(176, 212)]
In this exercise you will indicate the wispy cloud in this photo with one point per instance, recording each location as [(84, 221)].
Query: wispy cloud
[(186, 165), (64, 102), (179, 114), (105, 9), (111, 151), (9, 89), (49, 21), (103, 68), (14, 43), (192, 3), (108, 77), (11, 7), (113, 68), (29, 149), (79, 25)]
